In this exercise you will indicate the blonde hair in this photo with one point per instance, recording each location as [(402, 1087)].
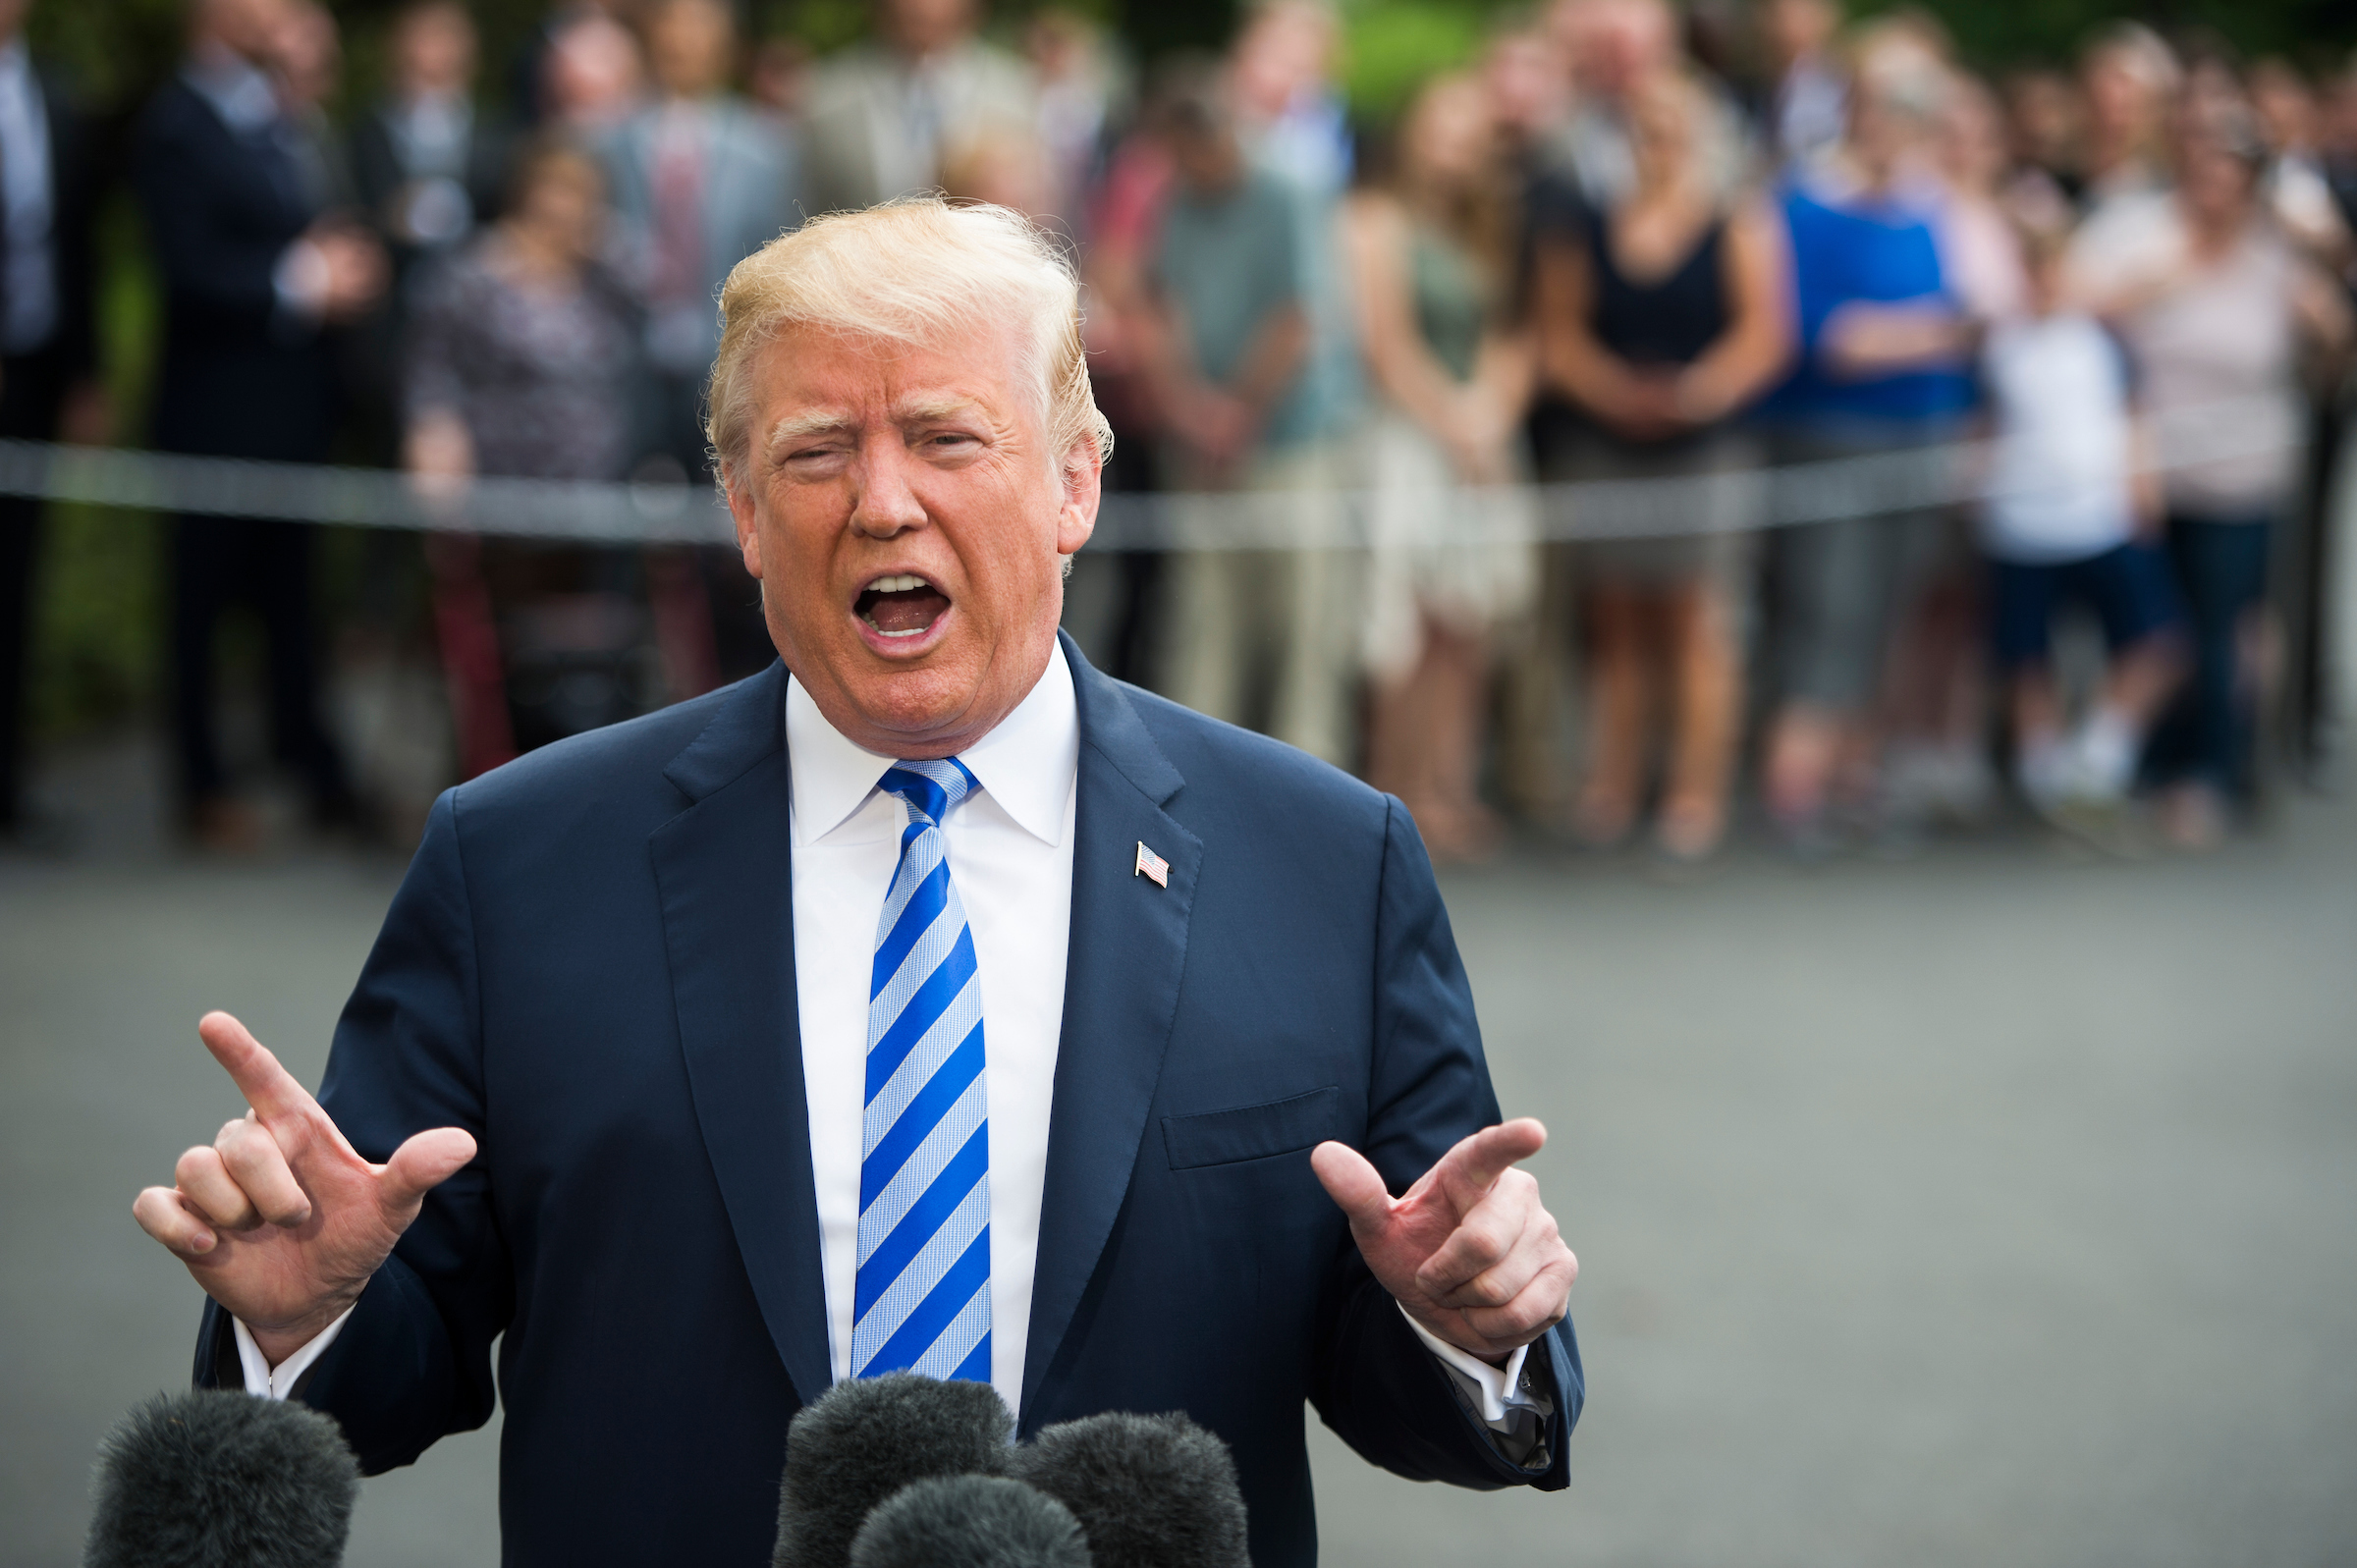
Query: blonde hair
[(917, 271)]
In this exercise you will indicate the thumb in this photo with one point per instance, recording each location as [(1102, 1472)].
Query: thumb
[(421, 1164), (1355, 1186)]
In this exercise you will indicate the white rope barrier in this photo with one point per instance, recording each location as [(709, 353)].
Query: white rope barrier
[(1909, 479)]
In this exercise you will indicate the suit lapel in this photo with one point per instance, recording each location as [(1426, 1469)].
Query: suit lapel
[(723, 868), (1128, 954)]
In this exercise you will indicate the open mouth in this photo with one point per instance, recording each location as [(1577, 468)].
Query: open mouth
[(903, 606)]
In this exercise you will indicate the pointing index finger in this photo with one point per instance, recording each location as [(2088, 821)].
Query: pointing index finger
[(271, 1090), (1494, 1151)]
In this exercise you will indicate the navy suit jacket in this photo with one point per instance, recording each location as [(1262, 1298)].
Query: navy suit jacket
[(590, 967), (237, 379)]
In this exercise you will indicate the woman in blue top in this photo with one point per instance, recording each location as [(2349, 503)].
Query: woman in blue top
[(1884, 365)]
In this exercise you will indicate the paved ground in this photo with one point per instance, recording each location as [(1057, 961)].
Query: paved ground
[(1998, 1206)]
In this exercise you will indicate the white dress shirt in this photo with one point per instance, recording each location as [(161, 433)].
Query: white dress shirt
[(1009, 847)]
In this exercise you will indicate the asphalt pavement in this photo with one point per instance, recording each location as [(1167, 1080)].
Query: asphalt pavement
[(1993, 1205)]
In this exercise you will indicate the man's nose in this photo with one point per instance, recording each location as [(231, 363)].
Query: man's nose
[(884, 504)]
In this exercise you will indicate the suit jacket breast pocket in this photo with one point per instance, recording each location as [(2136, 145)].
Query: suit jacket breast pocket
[(1253, 1132)]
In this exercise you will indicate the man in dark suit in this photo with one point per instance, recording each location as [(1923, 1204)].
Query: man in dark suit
[(253, 276), (49, 349), (428, 169), (929, 1001)]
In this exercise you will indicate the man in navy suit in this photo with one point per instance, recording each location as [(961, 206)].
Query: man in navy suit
[(254, 275), (927, 1000)]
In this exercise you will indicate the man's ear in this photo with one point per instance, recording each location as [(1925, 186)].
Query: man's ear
[(741, 511), (1083, 475)]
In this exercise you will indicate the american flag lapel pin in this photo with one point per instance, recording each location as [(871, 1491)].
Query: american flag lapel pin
[(1150, 864)]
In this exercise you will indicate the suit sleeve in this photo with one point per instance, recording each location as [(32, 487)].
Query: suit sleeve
[(413, 1361), (1374, 1384)]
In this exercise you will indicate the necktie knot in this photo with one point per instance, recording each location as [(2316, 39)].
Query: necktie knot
[(929, 787)]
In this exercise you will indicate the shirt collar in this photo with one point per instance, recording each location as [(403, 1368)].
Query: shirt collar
[(1027, 764), (240, 93)]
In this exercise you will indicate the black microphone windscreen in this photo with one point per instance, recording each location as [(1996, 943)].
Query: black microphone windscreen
[(218, 1479), (1150, 1491), (862, 1440), (970, 1522)]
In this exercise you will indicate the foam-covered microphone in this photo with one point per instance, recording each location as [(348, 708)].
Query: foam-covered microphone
[(862, 1440), (970, 1522), (1150, 1491), (218, 1479)]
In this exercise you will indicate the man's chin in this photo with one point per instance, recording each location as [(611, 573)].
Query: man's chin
[(909, 709)]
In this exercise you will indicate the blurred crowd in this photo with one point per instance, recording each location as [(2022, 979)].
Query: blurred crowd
[(1625, 242)]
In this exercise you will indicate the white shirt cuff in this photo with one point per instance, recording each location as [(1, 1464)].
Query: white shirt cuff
[(265, 1382), (1496, 1390)]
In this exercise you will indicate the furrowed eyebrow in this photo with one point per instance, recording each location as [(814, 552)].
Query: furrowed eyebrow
[(792, 427), (919, 410)]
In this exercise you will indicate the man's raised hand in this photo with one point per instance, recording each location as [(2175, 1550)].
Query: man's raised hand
[(279, 1218), (1469, 1250)]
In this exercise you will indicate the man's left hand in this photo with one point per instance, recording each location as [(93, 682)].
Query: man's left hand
[(1469, 1251)]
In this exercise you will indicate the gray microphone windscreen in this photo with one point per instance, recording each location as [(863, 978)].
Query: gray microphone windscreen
[(1151, 1492), (970, 1522), (218, 1479), (862, 1440)]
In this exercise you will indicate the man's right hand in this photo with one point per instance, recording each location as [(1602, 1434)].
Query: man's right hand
[(279, 1218)]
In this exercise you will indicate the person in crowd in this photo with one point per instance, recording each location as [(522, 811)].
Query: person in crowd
[(591, 74), (2130, 79), (522, 344), (2069, 515), (306, 60), (50, 388), (1527, 77), (701, 180), (1807, 95), (1005, 165), (2214, 306), (426, 166), (1608, 45), (1081, 89), (2337, 139), (777, 80), (1936, 767), (426, 169), (1257, 636), (1289, 116), (1112, 597), (1661, 322), (522, 357), (1885, 355), (254, 271), (1527, 84), (1432, 261), (2046, 117), (880, 112), (1979, 245), (2296, 191), (1286, 105)]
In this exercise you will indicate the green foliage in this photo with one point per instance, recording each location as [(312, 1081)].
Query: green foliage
[(1393, 46), (98, 643)]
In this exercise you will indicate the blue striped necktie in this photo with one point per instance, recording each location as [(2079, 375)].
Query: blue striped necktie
[(922, 1298)]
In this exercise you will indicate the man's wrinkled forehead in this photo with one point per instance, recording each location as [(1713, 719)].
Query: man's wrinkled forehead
[(823, 381)]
